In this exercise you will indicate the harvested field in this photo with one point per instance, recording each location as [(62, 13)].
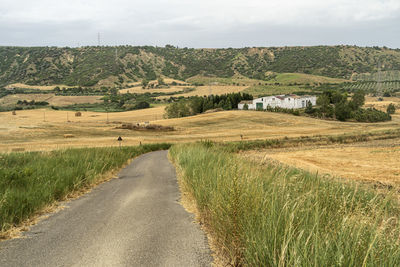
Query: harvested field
[(52, 99), (382, 105), (376, 161), (209, 90), (140, 90), (28, 129), (39, 87)]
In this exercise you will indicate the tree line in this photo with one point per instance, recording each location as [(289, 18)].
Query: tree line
[(334, 104), (197, 104)]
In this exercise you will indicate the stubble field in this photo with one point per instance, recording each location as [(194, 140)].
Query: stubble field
[(52, 99), (44, 129), (375, 161)]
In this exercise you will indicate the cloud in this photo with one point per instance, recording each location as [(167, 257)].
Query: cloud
[(192, 22)]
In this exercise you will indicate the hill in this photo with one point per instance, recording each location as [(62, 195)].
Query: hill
[(117, 66)]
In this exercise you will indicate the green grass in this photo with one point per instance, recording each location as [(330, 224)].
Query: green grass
[(234, 80), (270, 215), (238, 146), (271, 89), (301, 78), (30, 181)]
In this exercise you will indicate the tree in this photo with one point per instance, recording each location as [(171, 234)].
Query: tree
[(245, 107), (141, 105), (391, 109), (357, 100), (160, 81), (145, 83), (337, 97), (342, 111), (323, 101), (309, 108)]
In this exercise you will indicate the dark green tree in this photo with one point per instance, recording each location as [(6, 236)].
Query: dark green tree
[(357, 100), (342, 111), (309, 108), (391, 109)]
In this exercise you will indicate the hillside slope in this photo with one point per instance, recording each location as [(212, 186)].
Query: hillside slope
[(89, 66)]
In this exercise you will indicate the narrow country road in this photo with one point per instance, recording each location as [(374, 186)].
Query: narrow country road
[(135, 220)]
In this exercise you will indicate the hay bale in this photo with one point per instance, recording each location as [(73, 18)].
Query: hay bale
[(69, 136), (14, 113), (78, 114)]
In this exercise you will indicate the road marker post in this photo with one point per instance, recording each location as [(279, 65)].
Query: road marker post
[(119, 140)]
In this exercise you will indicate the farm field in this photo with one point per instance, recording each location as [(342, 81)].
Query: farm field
[(302, 78), (382, 105), (27, 130), (209, 90), (284, 78), (373, 85), (376, 161), (140, 90), (271, 89), (52, 99), (39, 87)]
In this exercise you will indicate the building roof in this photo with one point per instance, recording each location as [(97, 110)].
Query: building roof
[(246, 102)]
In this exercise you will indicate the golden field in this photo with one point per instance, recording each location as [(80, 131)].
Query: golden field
[(370, 161), (139, 90), (382, 105), (212, 89), (39, 87), (44, 129), (52, 99)]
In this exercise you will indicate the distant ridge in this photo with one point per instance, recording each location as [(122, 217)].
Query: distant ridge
[(110, 66)]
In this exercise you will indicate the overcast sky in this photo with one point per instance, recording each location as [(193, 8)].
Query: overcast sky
[(200, 23)]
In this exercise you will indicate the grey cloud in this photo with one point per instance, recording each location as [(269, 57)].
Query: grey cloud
[(216, 23)]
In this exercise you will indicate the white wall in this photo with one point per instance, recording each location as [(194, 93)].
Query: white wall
[(286, 102)]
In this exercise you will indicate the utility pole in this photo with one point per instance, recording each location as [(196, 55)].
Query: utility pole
[(44, 115)]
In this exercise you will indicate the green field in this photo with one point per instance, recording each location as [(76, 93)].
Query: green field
[(393, 75), (374, 86), (271, 215), (270, 89)]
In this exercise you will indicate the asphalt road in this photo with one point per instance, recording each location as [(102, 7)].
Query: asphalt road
[(135, 220)]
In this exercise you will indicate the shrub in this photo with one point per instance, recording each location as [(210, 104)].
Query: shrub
[(342, 111), (370, 115), (391, 109)]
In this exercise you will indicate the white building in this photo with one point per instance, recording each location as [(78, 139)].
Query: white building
[(283, 101)]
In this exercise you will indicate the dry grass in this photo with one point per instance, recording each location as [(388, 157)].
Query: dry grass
[(382, 105), (212, 89), (376, 161), (40, 87), (140, 90), (52, 99), (27, 130)]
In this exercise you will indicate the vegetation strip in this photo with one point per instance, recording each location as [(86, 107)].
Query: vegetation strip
[(279, 216), (31, 181), (308, 140)]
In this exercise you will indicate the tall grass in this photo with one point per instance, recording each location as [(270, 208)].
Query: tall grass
[(280, 216), (309, 140), (30, 181)]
